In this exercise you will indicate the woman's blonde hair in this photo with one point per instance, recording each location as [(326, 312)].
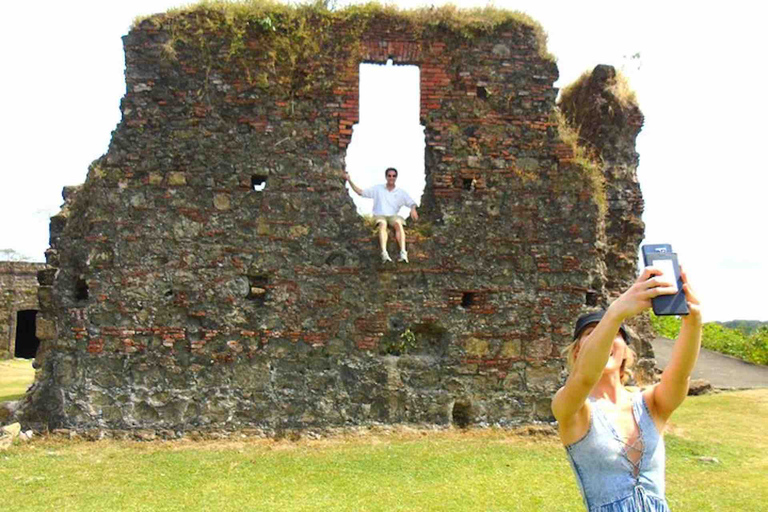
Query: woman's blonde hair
[(571, 351)]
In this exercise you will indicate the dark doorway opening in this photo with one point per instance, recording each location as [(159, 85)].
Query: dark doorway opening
[(462, 413), (26, 340)]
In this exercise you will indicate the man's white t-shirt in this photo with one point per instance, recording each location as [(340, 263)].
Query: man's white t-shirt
[(386, 202)]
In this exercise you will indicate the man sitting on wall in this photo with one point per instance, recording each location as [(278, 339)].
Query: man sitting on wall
[(387, 201)]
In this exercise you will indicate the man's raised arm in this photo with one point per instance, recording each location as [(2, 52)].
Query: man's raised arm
[(357, 189)]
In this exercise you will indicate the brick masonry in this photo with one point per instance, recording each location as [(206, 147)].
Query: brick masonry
[(183, 298)]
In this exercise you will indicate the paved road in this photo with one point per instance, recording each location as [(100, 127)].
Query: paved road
[(720, 370)]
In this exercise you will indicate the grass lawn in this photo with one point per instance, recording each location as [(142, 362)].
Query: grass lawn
[(16, 375), (484, 470)]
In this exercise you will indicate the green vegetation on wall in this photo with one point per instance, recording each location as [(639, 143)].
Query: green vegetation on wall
[(620, 89), (286, 39), (587, 160), (275, 17)]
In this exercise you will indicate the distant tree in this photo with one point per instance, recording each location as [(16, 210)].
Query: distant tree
[(12, 255), (745, 339), (745, 326), (758, 348)]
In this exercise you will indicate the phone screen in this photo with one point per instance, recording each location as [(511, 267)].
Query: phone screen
[(667, 270)]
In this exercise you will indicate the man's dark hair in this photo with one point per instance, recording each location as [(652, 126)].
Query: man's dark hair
[(390, 169)]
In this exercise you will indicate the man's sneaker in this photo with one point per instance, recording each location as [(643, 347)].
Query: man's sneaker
[(403, 257), (385, 257)]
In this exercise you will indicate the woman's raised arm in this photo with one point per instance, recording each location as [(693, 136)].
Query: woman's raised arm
[(670, 392)]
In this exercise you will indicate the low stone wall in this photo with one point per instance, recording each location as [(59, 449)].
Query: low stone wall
[(18, 292)]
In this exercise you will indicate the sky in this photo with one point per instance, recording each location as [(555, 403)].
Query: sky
[(698, 80)]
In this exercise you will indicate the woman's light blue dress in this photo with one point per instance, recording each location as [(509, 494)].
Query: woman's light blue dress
[(608, 480)]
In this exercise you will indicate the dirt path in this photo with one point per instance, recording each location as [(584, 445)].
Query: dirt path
[(720, 370)]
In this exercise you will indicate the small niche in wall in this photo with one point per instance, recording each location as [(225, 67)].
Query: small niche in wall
[(461, 415), (591, 298), (257, 289), (336, 259), (81, 289), (467, 299), (468, 184), (258, 182), (482, 92)]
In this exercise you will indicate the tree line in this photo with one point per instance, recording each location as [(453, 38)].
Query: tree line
[(745, 339)]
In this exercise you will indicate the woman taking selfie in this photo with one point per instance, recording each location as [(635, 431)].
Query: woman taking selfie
[(613, 436)]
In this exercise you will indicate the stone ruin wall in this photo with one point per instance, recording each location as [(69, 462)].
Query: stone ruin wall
[(609, 122), (18, 292), (182, 298)]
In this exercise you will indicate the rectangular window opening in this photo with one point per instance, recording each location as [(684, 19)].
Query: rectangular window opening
[(81, 289), (388, 133), (258, 289), (258, 182)]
